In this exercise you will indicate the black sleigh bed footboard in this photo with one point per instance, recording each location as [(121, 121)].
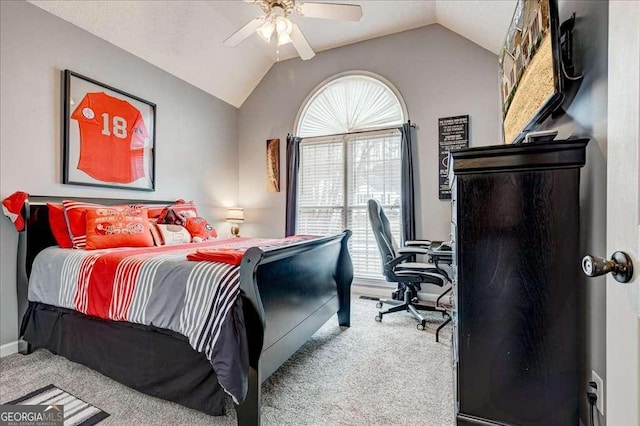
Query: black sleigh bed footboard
[(291, 292), (287, 294)]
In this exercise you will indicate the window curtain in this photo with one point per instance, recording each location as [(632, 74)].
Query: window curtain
[(293, 164), (408, 205)]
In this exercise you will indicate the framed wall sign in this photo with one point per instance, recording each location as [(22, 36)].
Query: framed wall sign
[(109, 136), (453, 133)]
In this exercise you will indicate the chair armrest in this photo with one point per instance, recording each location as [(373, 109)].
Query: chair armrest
[(412, 250), (391, 264), (416, 266), (423, 243)]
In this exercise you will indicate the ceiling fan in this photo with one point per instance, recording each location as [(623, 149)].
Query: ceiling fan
[(277, 20)]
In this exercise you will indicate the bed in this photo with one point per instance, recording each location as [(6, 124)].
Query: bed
[(286, 293)]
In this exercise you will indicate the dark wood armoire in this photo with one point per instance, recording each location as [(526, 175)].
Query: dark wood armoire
[(515, 231)]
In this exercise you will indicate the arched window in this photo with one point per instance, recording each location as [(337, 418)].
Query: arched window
[(352, 102), (350, 152)]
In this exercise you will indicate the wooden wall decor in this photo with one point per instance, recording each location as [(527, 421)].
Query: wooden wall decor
[(273, 165)]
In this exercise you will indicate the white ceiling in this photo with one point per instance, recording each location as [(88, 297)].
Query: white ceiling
[(185, 37)]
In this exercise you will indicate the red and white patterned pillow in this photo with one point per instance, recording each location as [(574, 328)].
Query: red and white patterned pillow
[(117, 226), (200, 229), (58, 225), (155, 232), (75, 216)]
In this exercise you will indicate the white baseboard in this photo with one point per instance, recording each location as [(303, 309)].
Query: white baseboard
[(12, 348), (9, 349), (369, 290)]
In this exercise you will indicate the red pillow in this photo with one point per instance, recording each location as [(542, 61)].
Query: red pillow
[(155, 212), (74, 213), (176, 213), (118, 226), (200, 229), (155, 232), (58, 225)]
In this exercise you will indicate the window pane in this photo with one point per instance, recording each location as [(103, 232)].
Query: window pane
[(362, 246), (321, 188), (374, 170), (320, 221)]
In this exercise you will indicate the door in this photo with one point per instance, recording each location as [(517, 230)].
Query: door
[(622, 395)]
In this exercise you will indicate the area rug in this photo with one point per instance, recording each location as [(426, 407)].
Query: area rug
[(76, 411)]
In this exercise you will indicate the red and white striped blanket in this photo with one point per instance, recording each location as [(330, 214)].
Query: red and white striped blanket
[(158, 286)]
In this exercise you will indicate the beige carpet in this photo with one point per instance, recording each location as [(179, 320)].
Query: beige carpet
[(370, 374)]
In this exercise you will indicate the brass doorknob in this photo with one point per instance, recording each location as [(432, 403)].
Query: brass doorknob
[(620, 266)]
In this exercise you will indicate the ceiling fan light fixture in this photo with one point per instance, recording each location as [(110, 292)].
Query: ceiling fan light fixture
[(276, 20), (266, 31), (283, 26), (283, 38)]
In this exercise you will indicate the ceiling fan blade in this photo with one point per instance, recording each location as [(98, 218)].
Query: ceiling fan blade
[(343, 12), (243, 33), (301, 44)]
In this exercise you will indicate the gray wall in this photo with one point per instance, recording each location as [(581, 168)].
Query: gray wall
[(438, 73), (197, 155), (586, 115)]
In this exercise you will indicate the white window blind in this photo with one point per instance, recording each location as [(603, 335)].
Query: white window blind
[(339, 174), (337, 177), (350, 104), (321, 187), (374, 171)]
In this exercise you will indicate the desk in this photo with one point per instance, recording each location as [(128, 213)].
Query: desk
[(440, 256)]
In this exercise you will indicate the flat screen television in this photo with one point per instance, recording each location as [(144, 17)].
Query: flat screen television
[(530, 68)]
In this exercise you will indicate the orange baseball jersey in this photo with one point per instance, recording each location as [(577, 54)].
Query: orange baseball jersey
[(112, 138)]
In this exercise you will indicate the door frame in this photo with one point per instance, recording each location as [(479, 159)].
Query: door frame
[(622, 387)]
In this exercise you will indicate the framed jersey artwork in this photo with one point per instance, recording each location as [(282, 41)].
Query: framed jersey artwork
[(109, 136)]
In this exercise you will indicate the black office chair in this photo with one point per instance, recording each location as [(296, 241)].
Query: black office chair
[(408, 275)]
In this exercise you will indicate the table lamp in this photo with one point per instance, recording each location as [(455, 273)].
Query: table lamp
[(235, 215)]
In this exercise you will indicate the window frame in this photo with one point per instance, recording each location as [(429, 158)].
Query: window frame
[(373, 131), (345, 140), (354, 73)]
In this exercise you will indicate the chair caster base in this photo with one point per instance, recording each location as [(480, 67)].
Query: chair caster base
[(420, 326), (379, 305), (378, 318)]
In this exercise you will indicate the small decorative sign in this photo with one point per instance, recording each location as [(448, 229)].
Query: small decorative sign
[(453, 133), (273, 165)]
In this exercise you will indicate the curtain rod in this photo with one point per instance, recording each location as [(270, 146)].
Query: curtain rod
[(412, 125)]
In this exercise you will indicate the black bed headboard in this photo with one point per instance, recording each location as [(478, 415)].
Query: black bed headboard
[(37, 235)]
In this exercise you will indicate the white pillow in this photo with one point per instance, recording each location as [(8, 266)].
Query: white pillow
[(174, 234)]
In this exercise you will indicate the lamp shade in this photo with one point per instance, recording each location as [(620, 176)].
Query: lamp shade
[(235, 215), (266, 30)]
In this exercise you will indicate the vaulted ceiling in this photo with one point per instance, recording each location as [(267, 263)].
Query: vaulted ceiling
[(185, 37)]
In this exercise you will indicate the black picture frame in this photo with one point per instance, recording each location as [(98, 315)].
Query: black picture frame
[(453, 134), (127, 167)]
